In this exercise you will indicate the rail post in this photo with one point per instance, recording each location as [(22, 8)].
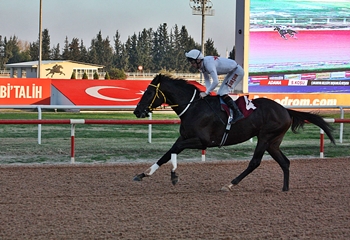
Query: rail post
[(39, 125), (321, 143), (150, 129), (72, 144), (341, 127)]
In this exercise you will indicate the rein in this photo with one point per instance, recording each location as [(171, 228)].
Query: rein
[(164, 97), (189, 104), (157, 96)]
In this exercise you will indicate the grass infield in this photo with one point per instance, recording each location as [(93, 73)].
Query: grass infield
[(129, 143)]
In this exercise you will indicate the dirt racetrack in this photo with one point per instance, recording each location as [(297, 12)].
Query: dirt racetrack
[(102, 202)]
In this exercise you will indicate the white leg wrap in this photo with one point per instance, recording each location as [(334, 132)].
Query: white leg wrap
[(152, 169), (174, 161)]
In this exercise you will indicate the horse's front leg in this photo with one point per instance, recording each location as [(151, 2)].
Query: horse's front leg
[(177, 148)]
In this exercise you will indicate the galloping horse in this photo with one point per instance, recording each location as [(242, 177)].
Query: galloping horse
[(203, 124), (55, 69), (285, 31)]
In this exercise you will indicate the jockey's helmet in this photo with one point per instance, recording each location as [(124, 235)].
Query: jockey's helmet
[(194, 54)]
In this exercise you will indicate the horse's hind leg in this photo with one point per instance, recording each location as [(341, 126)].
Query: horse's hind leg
[(284, 163), (254, 162)]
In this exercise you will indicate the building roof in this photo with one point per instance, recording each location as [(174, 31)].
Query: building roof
[(34, 64)]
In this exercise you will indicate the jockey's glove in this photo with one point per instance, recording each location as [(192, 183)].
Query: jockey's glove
[(203, 94)]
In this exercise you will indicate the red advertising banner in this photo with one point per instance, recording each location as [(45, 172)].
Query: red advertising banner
[(273, 82), (28, 91), (100, 92)]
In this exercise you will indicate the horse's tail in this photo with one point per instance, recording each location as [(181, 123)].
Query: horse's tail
[(299, 119)]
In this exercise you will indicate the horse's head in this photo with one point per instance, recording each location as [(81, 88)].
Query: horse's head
[(276, 28), (152, 98)]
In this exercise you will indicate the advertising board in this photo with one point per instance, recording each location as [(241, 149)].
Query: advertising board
[(300, 40)]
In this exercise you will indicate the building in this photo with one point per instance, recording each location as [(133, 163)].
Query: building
[(54, 69)]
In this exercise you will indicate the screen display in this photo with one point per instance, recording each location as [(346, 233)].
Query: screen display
[(299, 46)]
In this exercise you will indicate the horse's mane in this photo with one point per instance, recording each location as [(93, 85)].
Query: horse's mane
[(182, 83)]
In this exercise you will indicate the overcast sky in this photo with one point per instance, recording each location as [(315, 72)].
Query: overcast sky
[(83, 19)]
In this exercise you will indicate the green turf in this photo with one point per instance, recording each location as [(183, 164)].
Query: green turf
[(129, 143)]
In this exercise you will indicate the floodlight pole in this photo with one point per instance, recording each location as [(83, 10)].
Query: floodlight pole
[(40, 39), (203, 8), (203, 26)]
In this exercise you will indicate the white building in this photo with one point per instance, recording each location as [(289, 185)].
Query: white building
[(54, 69)]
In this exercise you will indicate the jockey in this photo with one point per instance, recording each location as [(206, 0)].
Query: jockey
[(215, 66)]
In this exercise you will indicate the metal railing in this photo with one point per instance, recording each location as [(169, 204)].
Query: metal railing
[(300, 21), (40, 107)]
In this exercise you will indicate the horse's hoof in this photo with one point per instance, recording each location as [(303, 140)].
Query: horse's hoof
[(174, 181), (174, 178), (227, 188), (138, 177)]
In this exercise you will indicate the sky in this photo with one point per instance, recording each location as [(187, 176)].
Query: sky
[(83, 19)]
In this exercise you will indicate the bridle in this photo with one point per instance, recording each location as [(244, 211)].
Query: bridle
[(158, 90), (157, 96)]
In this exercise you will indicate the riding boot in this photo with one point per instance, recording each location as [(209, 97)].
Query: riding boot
[(231, 104)]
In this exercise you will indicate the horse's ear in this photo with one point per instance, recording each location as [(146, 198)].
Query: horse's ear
[(157, 77)]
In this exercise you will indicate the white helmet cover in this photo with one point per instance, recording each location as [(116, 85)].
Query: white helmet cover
[(194, 54)]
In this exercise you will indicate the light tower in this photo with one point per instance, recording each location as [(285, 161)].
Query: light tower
[(203, 8)]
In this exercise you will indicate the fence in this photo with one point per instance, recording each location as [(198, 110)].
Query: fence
[(301, 21), (73, 122), (40, 107)]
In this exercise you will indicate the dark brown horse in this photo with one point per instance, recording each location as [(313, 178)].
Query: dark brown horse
[(203, 124)]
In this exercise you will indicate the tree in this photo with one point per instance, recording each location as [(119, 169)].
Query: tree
[(179, 60), (11, 50), (96, 75), (107, 76), (116, 73), (153, 50), (102, 50), (66, 52), (127, 47), (74, 50), (45, 45), (2, 53), (144, 49), (187, 43), (118, 49), (210, 50), (232, 54), (160, 47), (55, 52), (84, 55), (34, 51), (85, 76), (73, 76)]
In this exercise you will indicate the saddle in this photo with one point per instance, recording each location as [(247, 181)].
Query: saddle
[(244, 105)]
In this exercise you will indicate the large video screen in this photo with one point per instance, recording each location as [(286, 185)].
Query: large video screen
[(299, 46)]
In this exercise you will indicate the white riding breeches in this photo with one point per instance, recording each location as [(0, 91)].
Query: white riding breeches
[(231, 80)]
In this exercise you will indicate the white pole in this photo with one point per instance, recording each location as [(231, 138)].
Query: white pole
[(150, 129), (341, 125), (72, 143), (321, 143), (40, 39), (39, 125)]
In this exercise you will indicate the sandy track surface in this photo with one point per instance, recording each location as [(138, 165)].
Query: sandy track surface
[(102, 202)]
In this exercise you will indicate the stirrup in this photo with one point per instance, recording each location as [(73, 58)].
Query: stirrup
[(237, 117)]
